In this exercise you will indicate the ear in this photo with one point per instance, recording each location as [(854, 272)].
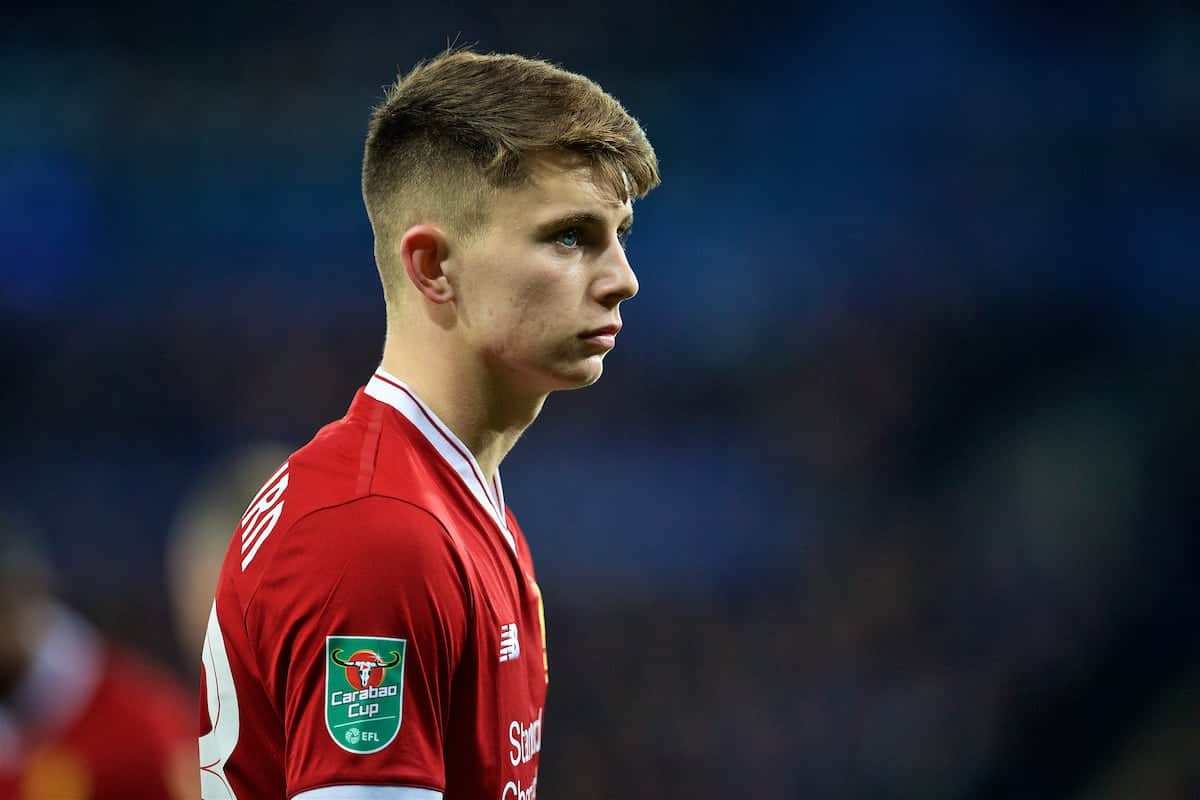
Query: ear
[(424, 250)]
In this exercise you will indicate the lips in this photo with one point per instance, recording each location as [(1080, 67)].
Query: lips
[(607, 330)]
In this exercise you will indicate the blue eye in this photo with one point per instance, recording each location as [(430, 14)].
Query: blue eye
[(568, 238)]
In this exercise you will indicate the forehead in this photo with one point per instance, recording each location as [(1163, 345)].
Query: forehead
[(560, 182)]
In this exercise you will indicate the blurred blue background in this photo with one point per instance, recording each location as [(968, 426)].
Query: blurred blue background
[(884, 493)]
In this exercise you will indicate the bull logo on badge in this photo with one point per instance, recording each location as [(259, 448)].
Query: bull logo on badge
[(364, 689), (370, 667)]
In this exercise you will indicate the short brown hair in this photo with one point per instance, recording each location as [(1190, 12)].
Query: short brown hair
[(463, 124)]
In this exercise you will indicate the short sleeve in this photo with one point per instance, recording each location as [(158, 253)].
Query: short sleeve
[(359, 626)]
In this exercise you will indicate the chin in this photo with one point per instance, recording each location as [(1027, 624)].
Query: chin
[(579, 375)]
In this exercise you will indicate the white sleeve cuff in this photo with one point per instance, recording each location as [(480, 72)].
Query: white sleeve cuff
[(369, 793)]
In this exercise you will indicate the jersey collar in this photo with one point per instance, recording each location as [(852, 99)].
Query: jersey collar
[(389, 389)]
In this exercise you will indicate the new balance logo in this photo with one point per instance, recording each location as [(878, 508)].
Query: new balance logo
[(510, 647)]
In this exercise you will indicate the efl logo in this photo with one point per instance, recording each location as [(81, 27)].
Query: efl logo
[(364, 683), (354, 736)]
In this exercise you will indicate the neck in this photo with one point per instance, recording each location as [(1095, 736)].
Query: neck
[(481, 409)]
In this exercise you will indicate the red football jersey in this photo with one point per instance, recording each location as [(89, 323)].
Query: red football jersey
[(377, 631), (91, 722)]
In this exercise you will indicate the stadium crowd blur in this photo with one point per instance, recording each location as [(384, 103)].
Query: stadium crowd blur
[(883, 493)]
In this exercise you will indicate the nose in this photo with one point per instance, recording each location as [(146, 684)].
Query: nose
[(618, 281)]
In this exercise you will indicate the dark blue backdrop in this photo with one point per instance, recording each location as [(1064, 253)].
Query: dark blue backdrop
[(883, 493)]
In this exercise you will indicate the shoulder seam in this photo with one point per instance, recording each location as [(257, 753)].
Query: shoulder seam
[(370, 453)]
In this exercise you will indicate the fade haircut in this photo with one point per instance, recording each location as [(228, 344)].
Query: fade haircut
[(457, 128)]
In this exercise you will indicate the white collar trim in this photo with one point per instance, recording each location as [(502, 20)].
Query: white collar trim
[(389, 389)]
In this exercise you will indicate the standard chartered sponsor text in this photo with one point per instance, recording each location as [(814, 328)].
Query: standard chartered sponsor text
[(513, 790), (525, 742)]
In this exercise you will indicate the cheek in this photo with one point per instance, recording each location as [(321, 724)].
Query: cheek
[(535, 308), (523, 303)]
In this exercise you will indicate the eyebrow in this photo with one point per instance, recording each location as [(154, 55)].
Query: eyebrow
[(581, 219)]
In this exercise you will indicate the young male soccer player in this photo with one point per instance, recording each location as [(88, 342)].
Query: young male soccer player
[(377, 632)]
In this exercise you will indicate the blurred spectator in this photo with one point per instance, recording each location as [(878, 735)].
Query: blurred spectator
[(200, 534), (79, 718)]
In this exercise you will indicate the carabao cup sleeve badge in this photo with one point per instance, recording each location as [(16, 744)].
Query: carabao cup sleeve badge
[(364, 691)]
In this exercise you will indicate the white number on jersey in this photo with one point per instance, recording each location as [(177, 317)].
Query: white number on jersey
[(217, 745)]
